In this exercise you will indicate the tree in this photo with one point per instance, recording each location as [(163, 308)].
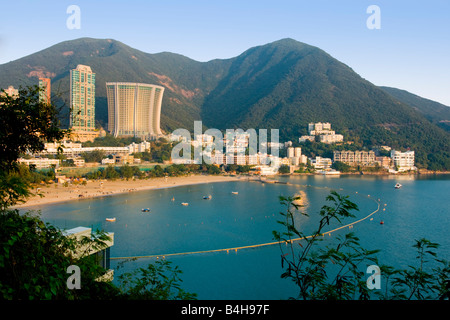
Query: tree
[(34, 256), (126, 171), (25, 124), (111, 173), (93, 156), (159, 281), (341, 166), (334, 272), (284, 169)]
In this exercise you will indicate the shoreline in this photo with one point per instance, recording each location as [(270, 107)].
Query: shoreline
[(57, 193)]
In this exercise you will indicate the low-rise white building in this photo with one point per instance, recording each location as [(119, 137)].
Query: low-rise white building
[(307, 138), (321, 163), (40, 163), (144, 146), (403, 161), (331, 138)]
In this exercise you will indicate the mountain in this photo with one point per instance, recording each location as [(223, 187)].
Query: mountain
[(186, 81), (432, 110), (284, 84)]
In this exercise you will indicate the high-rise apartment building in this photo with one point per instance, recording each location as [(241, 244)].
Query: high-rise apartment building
[(45, 90), (82, 103), (134, 109)]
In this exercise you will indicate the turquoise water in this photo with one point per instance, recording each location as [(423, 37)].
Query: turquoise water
[(419, 209)]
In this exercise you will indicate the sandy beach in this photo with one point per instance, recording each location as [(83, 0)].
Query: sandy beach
[(53, 193)]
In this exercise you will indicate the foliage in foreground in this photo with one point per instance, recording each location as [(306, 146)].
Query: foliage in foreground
[(34, 257), (337, 272)]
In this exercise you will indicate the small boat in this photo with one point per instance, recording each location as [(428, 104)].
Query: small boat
[(207, 197), (110, 219), (185, 203), (381, 222), (234, 192), (397, 186), (173, 199), (330, 172), (145, 210)]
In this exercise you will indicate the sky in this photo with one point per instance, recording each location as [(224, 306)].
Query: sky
[(409, 49)]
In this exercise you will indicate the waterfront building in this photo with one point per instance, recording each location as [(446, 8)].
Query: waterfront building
[(101, 253), (134, 109), (354, 158), (403, 161), (82, 103), (384, 162), (321, 163)]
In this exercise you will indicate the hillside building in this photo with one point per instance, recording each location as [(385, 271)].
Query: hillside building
[(323, 130)]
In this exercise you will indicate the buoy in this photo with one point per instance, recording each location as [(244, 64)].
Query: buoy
[(381, 222)]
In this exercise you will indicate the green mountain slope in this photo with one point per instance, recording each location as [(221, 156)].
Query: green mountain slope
[(287, 84), (186, 81), (432, 110), (284, 85)]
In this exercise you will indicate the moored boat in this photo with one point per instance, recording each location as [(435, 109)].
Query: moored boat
[(110, 219), (397, 186)]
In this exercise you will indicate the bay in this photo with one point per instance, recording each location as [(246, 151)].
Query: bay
[(420, 209)]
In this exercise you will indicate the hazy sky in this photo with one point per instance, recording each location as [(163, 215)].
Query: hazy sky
[(410, 51)]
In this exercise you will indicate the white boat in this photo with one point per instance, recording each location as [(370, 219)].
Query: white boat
[(397, 186), (330, 172), (185, 203), (234, 192), (111, 219)]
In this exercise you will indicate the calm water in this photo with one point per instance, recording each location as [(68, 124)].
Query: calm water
[(419, 209)]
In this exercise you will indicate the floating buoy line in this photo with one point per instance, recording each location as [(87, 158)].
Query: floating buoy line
[(235, 249)]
